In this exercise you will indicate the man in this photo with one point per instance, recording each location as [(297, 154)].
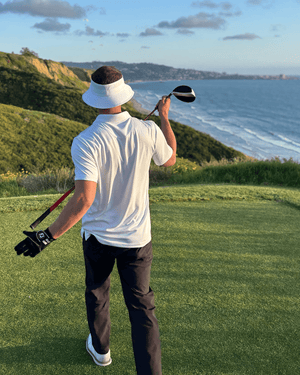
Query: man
[(112, 159)]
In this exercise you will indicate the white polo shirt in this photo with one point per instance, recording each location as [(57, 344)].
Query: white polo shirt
[(116, 151)]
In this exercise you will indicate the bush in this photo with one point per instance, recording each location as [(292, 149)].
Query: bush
[(60, 179), (26, 52), (268, 172)]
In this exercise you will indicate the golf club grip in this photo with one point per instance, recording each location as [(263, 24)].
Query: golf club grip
[(40, 219), (49, 210)]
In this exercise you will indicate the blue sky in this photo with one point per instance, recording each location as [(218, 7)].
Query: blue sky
[(245, 37)]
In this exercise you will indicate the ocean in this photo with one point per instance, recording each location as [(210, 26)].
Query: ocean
[(260, 118)]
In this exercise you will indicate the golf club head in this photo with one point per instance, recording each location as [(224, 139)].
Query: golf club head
[(184, 93)]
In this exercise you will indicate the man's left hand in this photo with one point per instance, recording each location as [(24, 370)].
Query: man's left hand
[(34, 243)]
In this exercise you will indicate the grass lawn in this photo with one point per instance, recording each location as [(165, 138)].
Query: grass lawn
[(225, 276)]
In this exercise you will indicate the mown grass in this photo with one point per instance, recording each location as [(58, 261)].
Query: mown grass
[(225, 275), (164, 194)]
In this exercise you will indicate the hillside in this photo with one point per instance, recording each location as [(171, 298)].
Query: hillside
[(35, 140), (23, 85), (35, 91), (51, 69)]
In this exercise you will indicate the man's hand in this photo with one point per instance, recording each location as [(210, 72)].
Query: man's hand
[(34, 243), (163, 106)]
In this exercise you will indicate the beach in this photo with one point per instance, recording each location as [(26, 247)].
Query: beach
[(137, 106)]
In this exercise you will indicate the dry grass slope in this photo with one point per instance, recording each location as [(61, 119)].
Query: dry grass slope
[(51, 69)]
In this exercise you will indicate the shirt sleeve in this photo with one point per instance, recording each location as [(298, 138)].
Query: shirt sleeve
[(162, 151), (84, 161)]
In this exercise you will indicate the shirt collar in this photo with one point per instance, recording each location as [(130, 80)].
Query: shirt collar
[(116, 118)]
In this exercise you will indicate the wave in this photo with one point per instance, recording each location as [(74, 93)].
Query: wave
[(251, 117)]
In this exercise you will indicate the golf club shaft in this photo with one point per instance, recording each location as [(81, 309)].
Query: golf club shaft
[(155, 109), (146, 118), (50, 209)]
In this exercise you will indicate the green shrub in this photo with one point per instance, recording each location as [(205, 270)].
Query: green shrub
[(60, 180), (268, 172)]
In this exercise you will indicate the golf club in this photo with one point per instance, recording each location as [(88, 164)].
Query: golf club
[(50, 209), (183, 93)]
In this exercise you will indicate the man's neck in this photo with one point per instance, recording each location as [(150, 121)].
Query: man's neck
[(110, 111)]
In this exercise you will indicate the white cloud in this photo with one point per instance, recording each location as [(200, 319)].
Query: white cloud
[(263, 3), (255, 2), (230, 14), (185, 32), (278, 27), (123, 35), (200, 20), (89, 31), (246, 36), (211, 4), (50, 24), (44, 8), (151, 32)]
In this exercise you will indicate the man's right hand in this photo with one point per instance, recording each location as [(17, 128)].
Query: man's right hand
[(163, 107)]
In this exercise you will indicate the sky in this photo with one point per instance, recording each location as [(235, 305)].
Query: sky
[(244, 37)]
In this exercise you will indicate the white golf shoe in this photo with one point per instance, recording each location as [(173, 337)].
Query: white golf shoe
[(99, 359)]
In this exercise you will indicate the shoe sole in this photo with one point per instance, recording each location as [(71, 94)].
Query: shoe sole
[(103, 364)]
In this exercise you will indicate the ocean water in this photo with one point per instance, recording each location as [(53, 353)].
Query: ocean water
[(260, 118)]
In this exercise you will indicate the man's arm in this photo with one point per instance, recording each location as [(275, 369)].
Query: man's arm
[(77, 206), (163, 109)]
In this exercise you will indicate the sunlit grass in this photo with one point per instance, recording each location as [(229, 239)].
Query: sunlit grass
[(226, 281)]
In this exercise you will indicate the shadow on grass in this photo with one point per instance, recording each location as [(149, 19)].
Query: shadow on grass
[(57, 350), (290, 204)]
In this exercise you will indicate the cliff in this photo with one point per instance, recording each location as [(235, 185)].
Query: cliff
[(51, 69)]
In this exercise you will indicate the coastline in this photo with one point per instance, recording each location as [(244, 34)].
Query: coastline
[(138, 107)]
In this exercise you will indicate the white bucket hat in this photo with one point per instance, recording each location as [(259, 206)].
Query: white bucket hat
[(108, 96)]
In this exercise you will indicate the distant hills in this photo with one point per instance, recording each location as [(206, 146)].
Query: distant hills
[(154, 72)]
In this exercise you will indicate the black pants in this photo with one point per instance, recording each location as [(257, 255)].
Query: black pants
[(134, 265)]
